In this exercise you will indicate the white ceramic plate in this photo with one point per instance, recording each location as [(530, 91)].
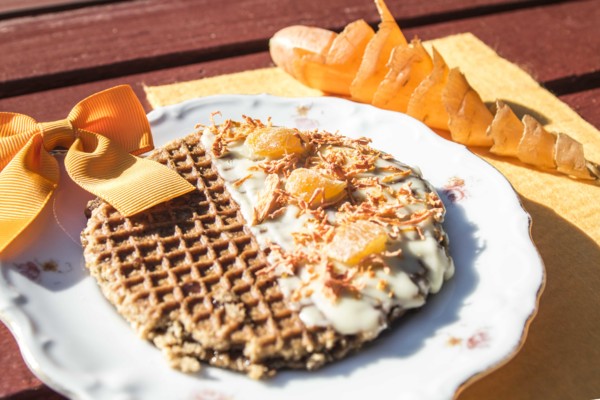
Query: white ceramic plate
[(72, 338)]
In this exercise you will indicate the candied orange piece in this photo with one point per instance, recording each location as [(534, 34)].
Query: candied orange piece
[(506, 131), (408, 66), (274, 142), (348, 47), (320, 58), (537, 145), (313, 187), (300, 59), (354, 241), (469, 116), (335, 71), (377, 53), (330, 79), (313, 40), (425, 102), (569, 157)]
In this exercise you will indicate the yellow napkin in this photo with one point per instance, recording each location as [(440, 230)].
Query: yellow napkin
[(561, 356)]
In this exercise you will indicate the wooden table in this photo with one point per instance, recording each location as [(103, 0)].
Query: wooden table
[(55, 52)]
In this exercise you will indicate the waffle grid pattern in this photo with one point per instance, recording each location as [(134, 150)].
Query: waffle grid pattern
[(184, 274)]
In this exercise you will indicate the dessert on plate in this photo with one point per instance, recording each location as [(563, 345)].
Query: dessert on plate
[(296, 249)]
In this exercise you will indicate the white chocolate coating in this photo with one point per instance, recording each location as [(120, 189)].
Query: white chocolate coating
[(421, 269)]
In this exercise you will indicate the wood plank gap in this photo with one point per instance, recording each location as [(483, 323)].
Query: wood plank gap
[(97, 73), (52, 8), (573, 84), (474, 12), (41, 392), (53, 80)]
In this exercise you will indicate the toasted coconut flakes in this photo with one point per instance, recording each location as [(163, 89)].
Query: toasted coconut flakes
[(284, 165), (395, 253), (417, 217), (213, 115), (396, 176), (229, 132), (240, 181), (391, 168), (267, 200), (342, 159), (374, 261), (275, 214), (336, 283), (318, 197), (420, 232), (335, 287), (255, 123), (281, 262), (394, 233), (437, 206), (301, 238), (382, 285), (218, 148)]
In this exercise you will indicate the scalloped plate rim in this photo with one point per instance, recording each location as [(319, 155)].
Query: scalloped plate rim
[(34, 357)]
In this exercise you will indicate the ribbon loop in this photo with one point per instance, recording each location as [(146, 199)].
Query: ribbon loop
[(58, 133), (103, 134)]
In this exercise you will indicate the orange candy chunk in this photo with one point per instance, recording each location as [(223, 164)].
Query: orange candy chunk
[(469, 116), (274, 142), (334, 72), (425, 102), (313, 40), (537, 145), (314, 188), (373, 67), (355, 241), (506, 131), (408, 66)]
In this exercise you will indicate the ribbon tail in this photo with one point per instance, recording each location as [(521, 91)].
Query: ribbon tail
[(26, 184), (129, 183)]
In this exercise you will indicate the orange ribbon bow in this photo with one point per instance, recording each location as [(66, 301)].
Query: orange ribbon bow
[(102, 133)]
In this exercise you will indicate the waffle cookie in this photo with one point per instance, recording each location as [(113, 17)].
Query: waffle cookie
[(292, 253)]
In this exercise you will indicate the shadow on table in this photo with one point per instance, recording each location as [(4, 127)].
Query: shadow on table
[(560, 358), (520, 110), (414, 328)]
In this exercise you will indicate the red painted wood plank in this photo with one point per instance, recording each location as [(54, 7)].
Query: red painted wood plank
[(18, 5), (558, 45), (55, 104), (119, 39), (20, 8), (587, 104), (15, 376), (41, 393)]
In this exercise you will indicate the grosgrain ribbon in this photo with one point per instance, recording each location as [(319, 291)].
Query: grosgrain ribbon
[(102, 133)]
